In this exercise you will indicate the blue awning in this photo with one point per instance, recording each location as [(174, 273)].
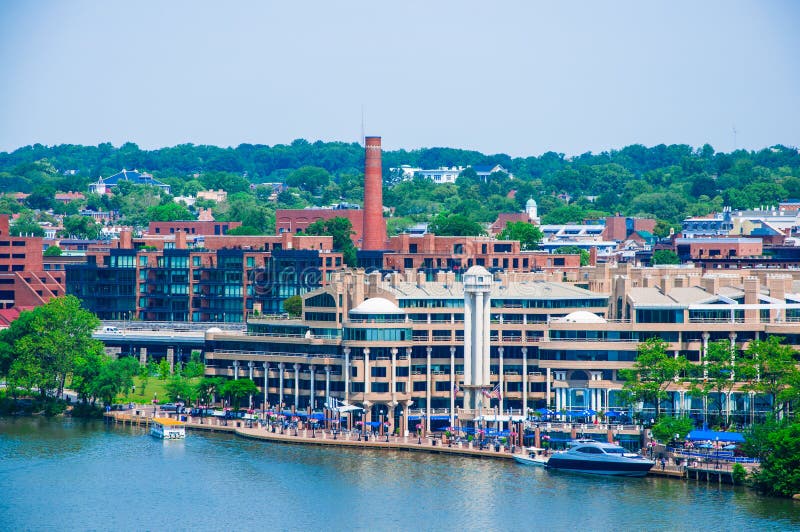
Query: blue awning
[(713, 435), (435, 417)]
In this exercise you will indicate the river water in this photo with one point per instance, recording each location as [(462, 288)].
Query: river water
[(77, 475)]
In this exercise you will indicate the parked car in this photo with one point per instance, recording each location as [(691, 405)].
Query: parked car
[(169, 407)]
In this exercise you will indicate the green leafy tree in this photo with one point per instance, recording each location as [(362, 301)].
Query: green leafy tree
[(52, 251), (455, 225), (528, 234), (26, 225), (46, 342), (575, 250), (168, 212), (164, 369), (310, 178), (653, 372), (207, 388), (178, 387), (80, 227), (239, 389), (144, 377), (115, 377), (665, 256), (779, 472), (665, 429), (293, 305), (340, 229), (194, 368), (245, 230), (774, 371)]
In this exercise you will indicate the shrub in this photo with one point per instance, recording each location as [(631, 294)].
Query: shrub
[(739, 474)]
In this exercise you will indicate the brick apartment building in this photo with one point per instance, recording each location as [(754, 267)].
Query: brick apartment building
[(24, 281)]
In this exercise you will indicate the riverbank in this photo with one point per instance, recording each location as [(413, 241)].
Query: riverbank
[(355, 440)]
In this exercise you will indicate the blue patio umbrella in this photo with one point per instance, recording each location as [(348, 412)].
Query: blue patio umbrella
[(588, 412), (545, 411)]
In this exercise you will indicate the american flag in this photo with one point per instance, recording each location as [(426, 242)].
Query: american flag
[(496, 393), (456, 388)]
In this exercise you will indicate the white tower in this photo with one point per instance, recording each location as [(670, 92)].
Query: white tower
[(532, 210), (477, 334)]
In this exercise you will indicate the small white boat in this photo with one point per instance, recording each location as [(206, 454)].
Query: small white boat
[(533, 456), (167, 429)]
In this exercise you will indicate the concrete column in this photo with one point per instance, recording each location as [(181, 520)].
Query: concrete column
[(452, 385), (296, 386), (409, 388), (171, 359), (250, 365), (327, 384), (346, 375), (501, 378), (679, 409), (281, 369), (143, 356), (236, 370), (393, 376), (266, 383), (525, 382), (428, 351), (312, 395), (547, 392), (706, 336), (367, 376), (487, 331)]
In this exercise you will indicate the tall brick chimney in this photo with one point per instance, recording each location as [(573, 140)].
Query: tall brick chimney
[(374, 224)]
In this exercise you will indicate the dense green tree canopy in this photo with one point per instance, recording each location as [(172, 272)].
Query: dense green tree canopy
[(455, 225), (42, 346), (340, 229), (528, 234), (668, 182), (665, 256)]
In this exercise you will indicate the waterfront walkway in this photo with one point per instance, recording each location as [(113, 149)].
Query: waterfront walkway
[(307, 436)]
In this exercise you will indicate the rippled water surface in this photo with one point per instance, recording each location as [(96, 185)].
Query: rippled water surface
[(75, 475)]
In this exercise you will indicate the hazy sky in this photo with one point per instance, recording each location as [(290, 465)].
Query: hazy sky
[(515, 77)]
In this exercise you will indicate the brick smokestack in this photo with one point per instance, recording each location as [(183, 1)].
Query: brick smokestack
[(374, 224)]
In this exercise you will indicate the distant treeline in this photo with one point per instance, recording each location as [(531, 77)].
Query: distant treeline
[(667, 182)]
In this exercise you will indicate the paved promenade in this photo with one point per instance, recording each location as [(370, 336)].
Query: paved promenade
[(307, 436)]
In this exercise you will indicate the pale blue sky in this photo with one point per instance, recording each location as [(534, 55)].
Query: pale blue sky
[(516, 77)]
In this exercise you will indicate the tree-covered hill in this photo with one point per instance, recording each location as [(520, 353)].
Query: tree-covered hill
[(667, 182)]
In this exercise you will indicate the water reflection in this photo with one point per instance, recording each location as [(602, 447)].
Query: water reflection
[(98, 477)]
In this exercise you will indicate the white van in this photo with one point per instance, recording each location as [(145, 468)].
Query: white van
[(111, 330)]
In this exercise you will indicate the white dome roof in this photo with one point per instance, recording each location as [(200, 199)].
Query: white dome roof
[(477, 270), (530, 203), (582, 316), (377, 305)]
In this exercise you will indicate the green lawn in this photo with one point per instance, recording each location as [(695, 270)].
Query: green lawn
[(154, 386)]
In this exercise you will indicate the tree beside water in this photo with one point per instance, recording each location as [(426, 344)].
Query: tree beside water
[(51, 346)]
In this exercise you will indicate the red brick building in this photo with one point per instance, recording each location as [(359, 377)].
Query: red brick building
[(192, 227), (620, 228), (295, 221), (458, 253), (24, 283)]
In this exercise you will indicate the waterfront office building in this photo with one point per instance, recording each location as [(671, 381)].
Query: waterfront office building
[(397, 345)]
